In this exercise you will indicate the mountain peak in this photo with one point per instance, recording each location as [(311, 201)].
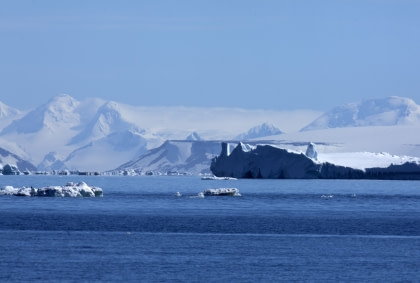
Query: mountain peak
[(7, 111), (108, 119), (57, 111), (263, 130), (193, 137), (62, 98), (61, 108)]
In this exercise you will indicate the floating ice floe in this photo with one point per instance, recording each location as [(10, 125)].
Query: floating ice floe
[(217, 178), (80, 189), (222, 192), (199, 195), (327, 196)]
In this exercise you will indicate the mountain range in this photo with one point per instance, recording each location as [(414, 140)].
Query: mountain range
[(98, 135)]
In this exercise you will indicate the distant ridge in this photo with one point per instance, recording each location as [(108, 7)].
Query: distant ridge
[(7, 111), (388, 111)]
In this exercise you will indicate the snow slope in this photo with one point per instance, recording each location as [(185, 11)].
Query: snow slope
[(7, 111), (8, 115), (182, 156), (120, 146)]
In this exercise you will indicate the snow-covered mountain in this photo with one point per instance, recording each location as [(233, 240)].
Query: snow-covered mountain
[(8, 114), (94, 134), (388, 111), (260, 131), (194, 137), (193, 157), (52, 161), (7, 111), (108, 119), (49, 127), (59, 112), (115, 148)]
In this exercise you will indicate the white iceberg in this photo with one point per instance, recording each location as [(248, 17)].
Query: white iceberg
[(222, 192), (80, 189), (271, 162), (311, 151)]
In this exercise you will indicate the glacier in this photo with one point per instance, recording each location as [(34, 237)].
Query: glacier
[(272, 162)]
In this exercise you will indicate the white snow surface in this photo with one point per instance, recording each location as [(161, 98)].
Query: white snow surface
[(363, 160), (80, 189)]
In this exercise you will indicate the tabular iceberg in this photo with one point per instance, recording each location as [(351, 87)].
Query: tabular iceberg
[(80, 189), (271, 162)]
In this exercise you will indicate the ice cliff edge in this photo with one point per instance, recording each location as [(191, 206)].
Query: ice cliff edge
[(271, 162)]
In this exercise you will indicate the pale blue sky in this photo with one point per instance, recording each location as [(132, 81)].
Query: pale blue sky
[(250, 54)]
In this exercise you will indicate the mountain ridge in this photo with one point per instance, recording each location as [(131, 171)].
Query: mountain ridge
[(95, 134)]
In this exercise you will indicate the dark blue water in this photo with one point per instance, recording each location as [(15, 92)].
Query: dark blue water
[(278, 230)]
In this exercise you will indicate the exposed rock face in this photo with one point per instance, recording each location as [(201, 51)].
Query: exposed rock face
[(270, 162)]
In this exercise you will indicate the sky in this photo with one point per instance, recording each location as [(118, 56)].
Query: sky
[(278, 55)]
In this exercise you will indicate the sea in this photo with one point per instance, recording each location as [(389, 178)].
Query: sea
[(159, 229)]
